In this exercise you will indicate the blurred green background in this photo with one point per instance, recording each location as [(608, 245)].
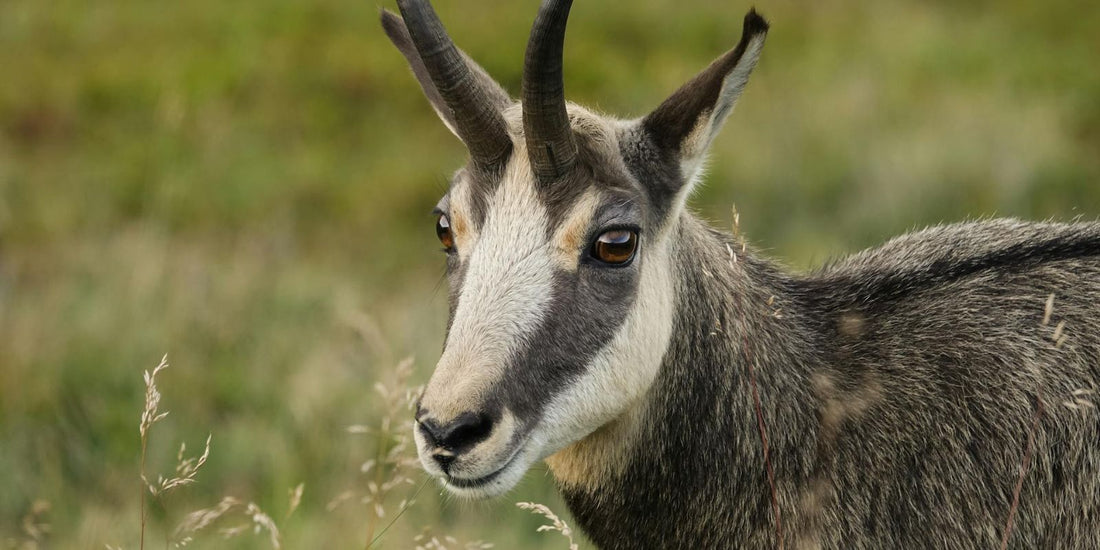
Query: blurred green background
[(246, 186)]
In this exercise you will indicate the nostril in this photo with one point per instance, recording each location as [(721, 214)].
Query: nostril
[(431, 430), (468, 428)]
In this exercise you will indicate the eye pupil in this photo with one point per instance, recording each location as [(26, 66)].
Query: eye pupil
[(443, 231), (615, 247)]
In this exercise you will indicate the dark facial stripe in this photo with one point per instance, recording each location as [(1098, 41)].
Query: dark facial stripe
[(481, 186), (587, 309), (456, 275)]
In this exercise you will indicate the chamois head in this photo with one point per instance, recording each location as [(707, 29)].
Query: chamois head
[(557, 244)]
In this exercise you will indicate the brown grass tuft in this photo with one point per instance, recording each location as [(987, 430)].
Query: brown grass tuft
[(556, 523), (186, 473)]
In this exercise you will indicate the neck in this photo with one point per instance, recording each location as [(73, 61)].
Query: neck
[(690, 455)]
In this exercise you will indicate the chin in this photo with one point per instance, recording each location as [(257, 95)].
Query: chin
[(493, 485)]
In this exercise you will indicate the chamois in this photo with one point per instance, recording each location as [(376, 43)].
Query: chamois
[(687, 393)]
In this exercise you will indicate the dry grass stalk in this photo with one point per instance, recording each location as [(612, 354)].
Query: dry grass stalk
[(263, 522), (1058, 339), (149, 416), (295, 499), (556, 523), (1025, 464), (394, 460), (749, 364), (256, 522), (427, 541), (34, 527), (203, 518), (186, 470), (1080, 400)]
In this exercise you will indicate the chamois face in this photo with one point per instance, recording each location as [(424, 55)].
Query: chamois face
[(558, 237), (560, 309)]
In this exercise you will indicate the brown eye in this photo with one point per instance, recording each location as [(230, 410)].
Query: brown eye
[(615, 247), (443, 231)]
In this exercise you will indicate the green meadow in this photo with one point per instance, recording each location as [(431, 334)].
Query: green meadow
[(246, 187)]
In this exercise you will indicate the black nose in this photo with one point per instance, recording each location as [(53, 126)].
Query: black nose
[(457, 436)]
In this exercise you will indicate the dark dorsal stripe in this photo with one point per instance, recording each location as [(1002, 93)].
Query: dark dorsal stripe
[(878, 287)]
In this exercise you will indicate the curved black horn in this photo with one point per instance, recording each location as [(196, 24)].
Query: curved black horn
[(474, 104), (550, 144)]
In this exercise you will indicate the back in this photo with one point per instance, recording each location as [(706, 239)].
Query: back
[(953, 358)]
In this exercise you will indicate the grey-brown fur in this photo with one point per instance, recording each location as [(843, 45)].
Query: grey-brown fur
[(898, 403), (905, 391)]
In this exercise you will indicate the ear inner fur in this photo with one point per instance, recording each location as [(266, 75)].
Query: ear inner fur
[(680, 116)]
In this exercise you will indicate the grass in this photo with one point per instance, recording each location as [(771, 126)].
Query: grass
[(246, 188), (394, 471), (186, 473)]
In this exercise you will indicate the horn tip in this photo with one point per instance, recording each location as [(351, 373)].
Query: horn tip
[(395, 29), (754, 23), (389, 19)]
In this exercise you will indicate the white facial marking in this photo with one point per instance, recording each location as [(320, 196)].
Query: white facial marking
[(614, 382), (505, 292)]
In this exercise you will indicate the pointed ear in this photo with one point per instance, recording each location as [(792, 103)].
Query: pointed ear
[(398, 33), (684, 126)]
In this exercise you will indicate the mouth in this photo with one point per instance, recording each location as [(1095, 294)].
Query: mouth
[(486, 480), (475, 483)]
